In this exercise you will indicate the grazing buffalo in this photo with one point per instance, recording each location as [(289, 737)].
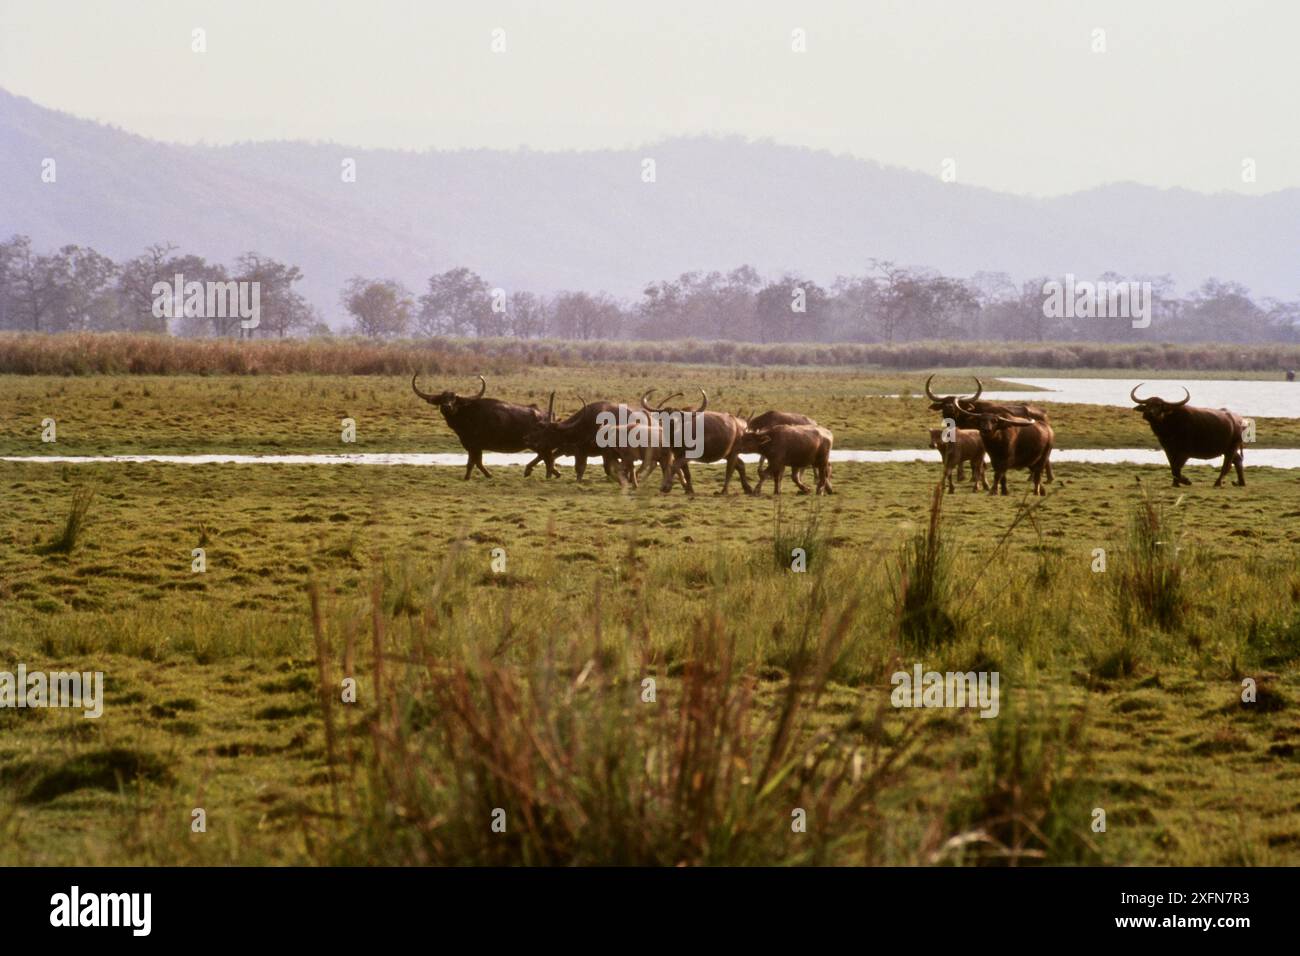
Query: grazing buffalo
[(713, 436), (1187, 432), (947, 404), (488, 424), (1011, 443), (792, 446), (967, 446)]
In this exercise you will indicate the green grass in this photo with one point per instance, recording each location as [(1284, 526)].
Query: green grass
[(213, 679), (99, 415)]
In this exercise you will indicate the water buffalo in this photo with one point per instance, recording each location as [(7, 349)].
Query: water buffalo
[(638, 441), (575, 435), (967, 446), (767, 420), (1187, 432), (715, 436), (1011, 442), (792, 446), (947, 405), (488, 424)]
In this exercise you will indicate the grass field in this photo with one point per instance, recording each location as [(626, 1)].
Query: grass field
[(501, 634), (99, 415)]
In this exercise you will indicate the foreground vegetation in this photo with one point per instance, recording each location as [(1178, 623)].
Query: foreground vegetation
[(502, 637)]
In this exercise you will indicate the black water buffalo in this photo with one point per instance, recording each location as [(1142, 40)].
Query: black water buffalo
[(488, 424), (947, 405), (1187, 432), (1011, 442), (575, 435), (966, 446)]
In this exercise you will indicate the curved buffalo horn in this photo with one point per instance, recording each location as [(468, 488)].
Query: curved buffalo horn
[(1187, 397), (704, 404), (550, 408), (1133, 395), (979, 389), (424, 395), (929, 394), (482, 388), (644, 406), (581, 399), (960, 407), (1015, 421)]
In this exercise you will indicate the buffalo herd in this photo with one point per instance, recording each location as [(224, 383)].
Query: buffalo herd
[(633, 441)]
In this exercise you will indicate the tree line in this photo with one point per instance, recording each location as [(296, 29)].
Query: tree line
[(76, 289)]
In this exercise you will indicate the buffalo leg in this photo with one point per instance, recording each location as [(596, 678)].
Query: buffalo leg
[(646, 465), (735, 462), (551, 470), (680, 471), (677, 471), (1036, 475), (1240, 461), (823, 475), (579, 466), (776, 479), (476, 461), (797, 473), (726, 480), (1228, 459), (1176, 466), (528, 468)]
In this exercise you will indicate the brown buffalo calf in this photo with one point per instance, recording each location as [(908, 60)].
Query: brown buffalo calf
[(792, 446), (968, 446)]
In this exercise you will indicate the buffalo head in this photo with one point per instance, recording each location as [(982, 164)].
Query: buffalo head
[(660, 407), (448, 401), (990, 423), (1155, 409), (945, 403)]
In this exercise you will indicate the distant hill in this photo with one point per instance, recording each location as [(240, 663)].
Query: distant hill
[(585, 220)]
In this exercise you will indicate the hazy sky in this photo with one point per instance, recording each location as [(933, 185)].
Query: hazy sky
[(1012, 92)]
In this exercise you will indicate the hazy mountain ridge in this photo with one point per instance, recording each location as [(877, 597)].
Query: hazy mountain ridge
[(585, 220)]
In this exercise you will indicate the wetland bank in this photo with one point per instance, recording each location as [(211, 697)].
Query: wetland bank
[(519, 683)]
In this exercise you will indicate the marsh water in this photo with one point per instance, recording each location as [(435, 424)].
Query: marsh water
[(1261, 399)]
